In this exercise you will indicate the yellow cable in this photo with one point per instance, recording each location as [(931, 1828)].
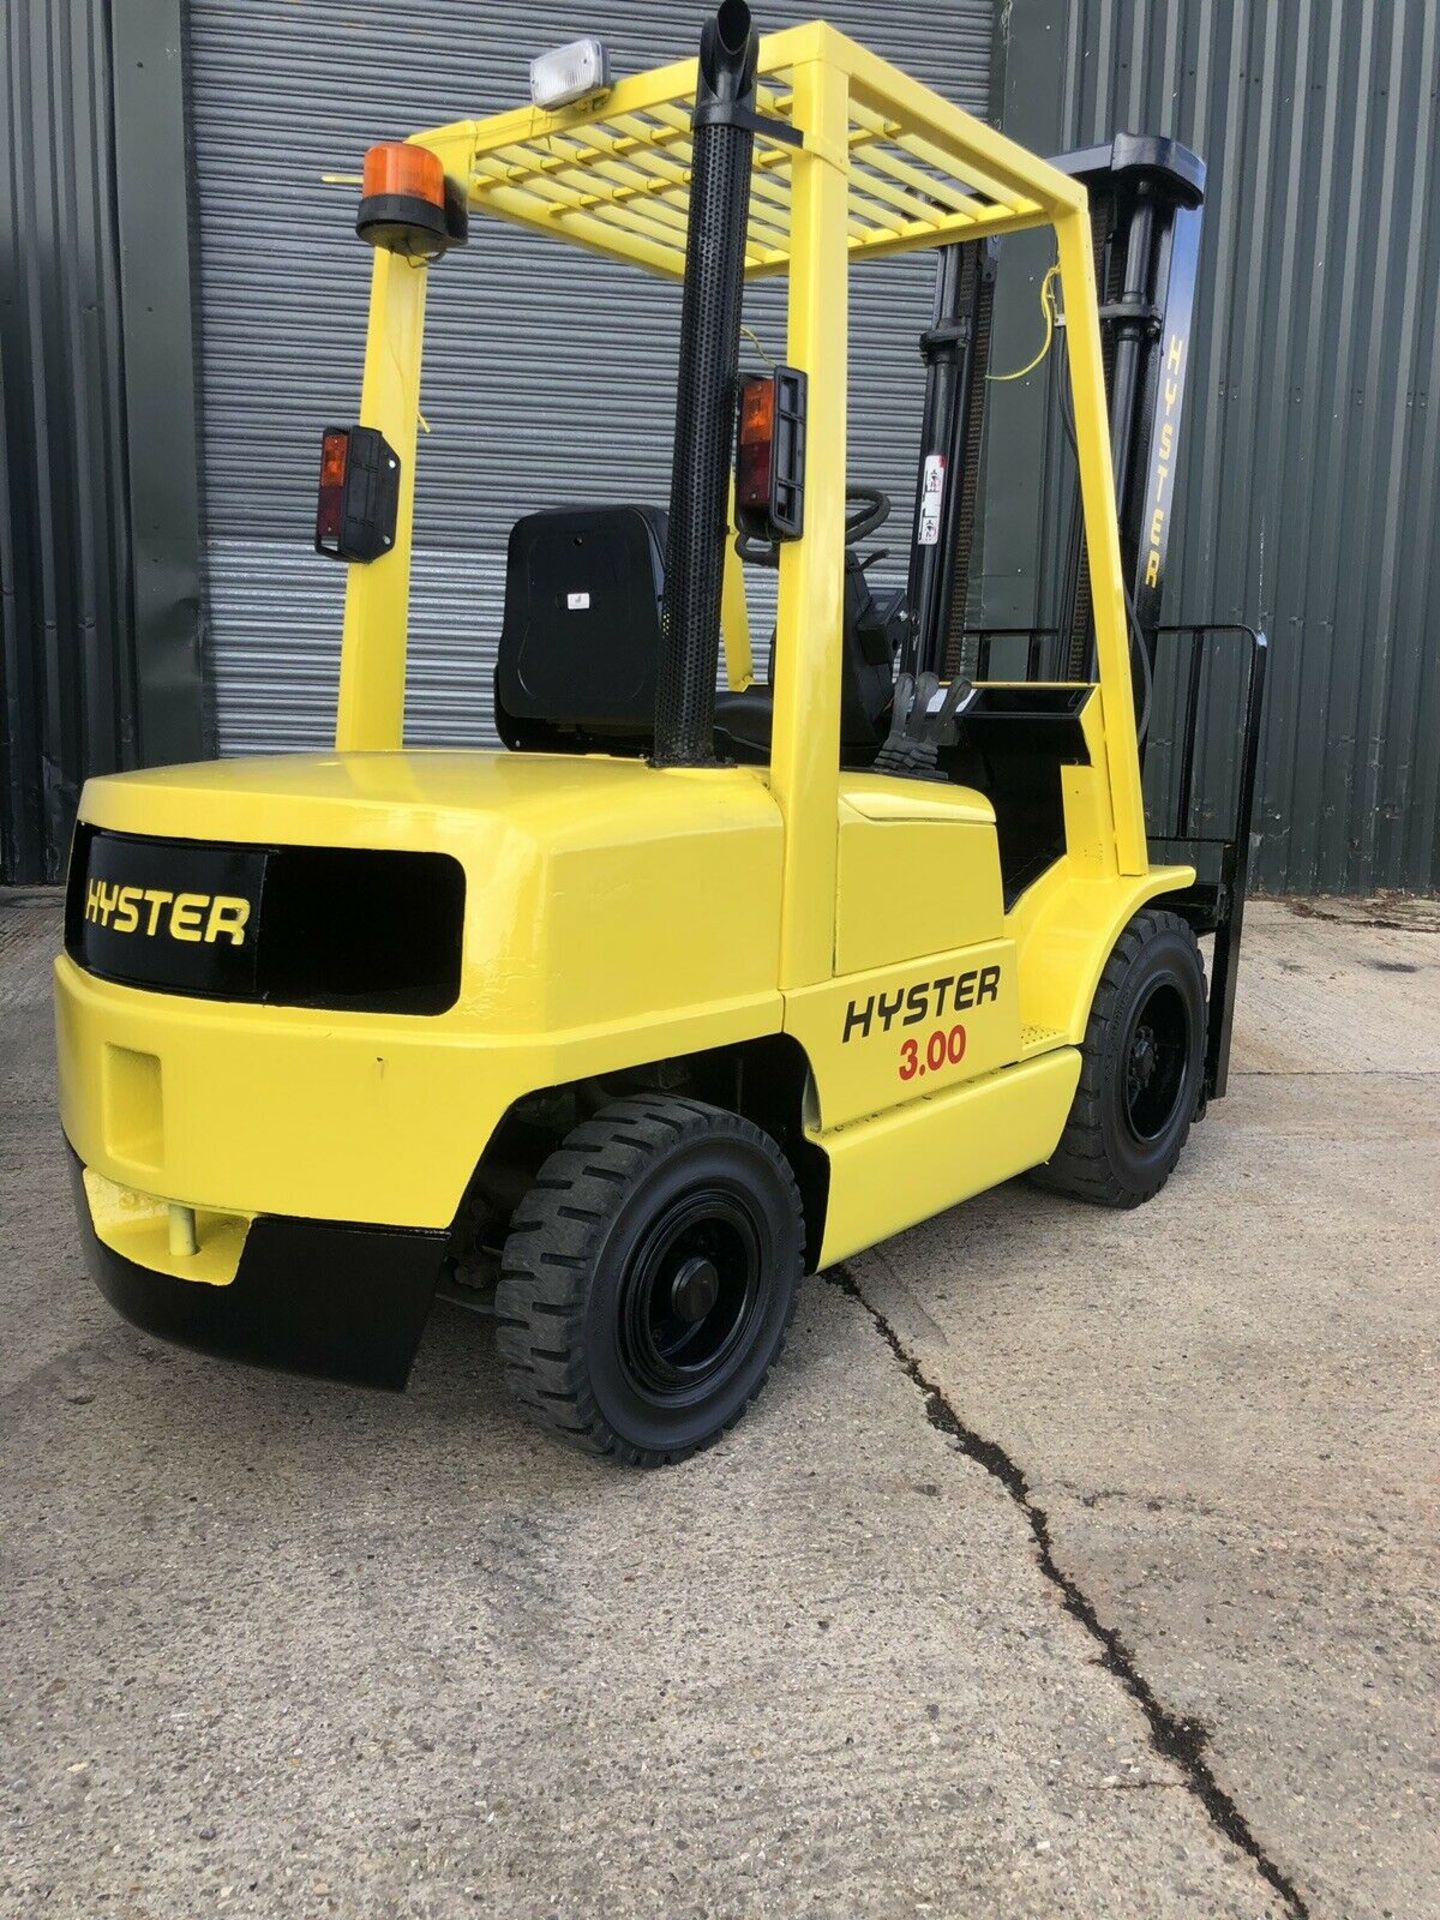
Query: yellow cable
[(758, 344), (1047, 307)]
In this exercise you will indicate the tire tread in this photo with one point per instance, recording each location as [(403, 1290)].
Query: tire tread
[(1081, 1165), (553, 1240)]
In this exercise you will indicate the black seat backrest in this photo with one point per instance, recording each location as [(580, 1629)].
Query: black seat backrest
[(873, 631), (580, 645)]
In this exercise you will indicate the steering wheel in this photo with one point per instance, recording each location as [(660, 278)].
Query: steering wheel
[(872, 510), (867, 509)]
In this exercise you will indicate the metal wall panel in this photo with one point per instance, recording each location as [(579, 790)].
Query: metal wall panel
[(68, 699), (548, 372), (1308, 493), (99, 536)]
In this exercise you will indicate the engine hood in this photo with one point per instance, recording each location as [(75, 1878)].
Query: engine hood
[(433, 800), (598, 891)]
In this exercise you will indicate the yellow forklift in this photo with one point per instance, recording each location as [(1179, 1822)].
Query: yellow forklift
[(686, 992)]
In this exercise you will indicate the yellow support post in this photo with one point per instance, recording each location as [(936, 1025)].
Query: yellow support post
[(805, 750), (734, 612), (371, 710), (1102, 538), (181, 1237)]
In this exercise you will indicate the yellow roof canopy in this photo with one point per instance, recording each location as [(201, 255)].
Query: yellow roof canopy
[(614, 174)]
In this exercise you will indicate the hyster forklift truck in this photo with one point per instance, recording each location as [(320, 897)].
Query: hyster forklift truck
[(687, 991)]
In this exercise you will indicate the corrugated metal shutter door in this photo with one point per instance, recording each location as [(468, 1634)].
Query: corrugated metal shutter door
[(549, 373)]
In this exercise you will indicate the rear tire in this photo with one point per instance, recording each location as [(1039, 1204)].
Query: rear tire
[(649, 1279), (1142, 1067)]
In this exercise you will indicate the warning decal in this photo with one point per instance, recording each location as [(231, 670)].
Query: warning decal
[(932, 495)]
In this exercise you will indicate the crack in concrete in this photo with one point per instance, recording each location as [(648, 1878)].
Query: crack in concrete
[(1175, 1737)]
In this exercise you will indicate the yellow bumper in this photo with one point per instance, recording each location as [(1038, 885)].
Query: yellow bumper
[(250, 1109), (253, 1109)]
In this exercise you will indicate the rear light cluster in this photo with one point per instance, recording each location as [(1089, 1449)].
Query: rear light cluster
[(359, 502), (770, 456), (330, 515)]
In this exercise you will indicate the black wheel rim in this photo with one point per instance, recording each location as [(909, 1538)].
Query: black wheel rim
[(1155, 1062), (689, 1296)]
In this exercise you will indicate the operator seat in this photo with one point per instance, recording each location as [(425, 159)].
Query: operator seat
[(580, 643), (873, 629)]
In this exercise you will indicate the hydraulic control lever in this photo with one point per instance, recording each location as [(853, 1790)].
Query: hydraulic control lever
[(920, 724)]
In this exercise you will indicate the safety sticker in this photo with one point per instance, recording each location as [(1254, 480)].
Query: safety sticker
[(932, 494)]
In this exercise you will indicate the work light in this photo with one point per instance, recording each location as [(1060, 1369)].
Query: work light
[(577, 71)]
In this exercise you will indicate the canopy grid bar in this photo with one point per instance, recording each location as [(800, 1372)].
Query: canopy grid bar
[(613, 175)]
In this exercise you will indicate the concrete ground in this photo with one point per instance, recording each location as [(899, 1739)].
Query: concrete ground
[(1072, 1563)]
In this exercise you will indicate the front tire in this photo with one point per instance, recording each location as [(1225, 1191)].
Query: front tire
[(649, 1279), (1142, 1068)]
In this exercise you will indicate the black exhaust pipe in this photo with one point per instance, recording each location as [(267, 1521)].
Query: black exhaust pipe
[(724, 143)]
